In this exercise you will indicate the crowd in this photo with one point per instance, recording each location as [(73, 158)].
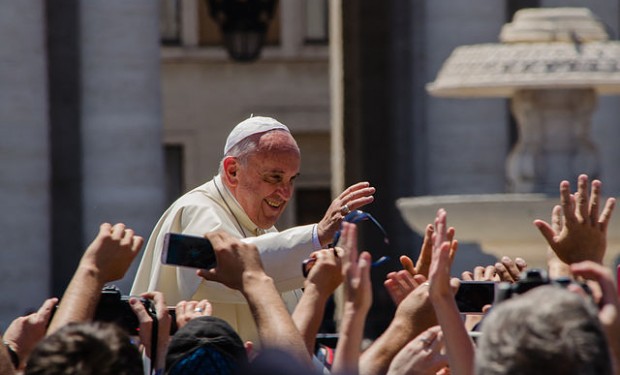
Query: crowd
[(556, 328)]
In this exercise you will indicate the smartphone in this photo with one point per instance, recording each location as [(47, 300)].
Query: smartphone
[(472, 296), (188, 251)]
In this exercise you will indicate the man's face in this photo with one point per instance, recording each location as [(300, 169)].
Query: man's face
[(266, 180)]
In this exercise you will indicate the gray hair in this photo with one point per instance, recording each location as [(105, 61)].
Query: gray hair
[(548, 330)]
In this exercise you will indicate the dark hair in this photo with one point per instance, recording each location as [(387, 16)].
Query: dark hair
[(87, 349)]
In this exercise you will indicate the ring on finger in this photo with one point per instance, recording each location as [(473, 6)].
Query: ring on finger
[(344, 210), (198, 309)]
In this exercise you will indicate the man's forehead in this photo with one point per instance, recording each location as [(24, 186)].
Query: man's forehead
[(277, 140)]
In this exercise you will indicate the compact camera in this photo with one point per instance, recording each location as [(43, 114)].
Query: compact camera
[(531, 279), (114, 307)]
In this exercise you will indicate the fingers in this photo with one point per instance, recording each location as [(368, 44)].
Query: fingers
[(454, 246), (210, 274), (118, 231), (546, 231), (357, 195), (606, 214), (139, 310), (556, 219), (566, 202), (467, 276), (426, 252), (594, 271), (47, 306), (595, 199), (581, 198), (407, 264)]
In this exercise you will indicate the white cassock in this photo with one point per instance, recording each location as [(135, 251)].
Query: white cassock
[(211, 207)]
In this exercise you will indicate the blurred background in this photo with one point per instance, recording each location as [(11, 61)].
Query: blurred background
[(110, 109)]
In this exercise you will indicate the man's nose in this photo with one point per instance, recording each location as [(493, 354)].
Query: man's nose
[(286, 190)]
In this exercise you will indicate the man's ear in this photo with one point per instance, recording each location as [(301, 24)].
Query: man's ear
[(231, 166)]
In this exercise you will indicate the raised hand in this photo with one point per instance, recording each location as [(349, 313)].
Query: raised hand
[(422, 265), (583, 233), (422, 355), (112, 251), (353, 198), (25, 332)]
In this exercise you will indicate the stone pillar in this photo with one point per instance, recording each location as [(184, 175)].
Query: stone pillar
[(24, 168), (121, 116), (554, 142)]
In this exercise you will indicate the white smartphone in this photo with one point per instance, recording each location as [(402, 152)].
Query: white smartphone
[(188, 251)]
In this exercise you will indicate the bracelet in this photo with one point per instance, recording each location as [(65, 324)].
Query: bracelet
[(12, 354)]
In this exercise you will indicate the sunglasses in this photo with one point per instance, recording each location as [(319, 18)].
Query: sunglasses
[(354, 217)]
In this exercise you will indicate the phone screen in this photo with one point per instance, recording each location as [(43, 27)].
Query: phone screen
[(188, 251), (472, 296)]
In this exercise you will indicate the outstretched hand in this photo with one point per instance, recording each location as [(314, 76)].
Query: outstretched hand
[(112, 251), (583, 233), (423, 264), (25, 332), (354, 197)]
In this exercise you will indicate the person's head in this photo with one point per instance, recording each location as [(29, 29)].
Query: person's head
[(548, 330), (85, 348), (205, 345), (260, 164)]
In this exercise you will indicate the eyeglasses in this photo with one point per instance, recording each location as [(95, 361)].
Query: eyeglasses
[(353, 217)]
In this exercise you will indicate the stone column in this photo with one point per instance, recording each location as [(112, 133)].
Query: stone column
[(554, 142), (121, 116), (24, 168)]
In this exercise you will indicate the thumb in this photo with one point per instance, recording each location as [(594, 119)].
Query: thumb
[(209, 274)]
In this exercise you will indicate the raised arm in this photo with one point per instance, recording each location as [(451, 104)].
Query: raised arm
[(322, 281), (106, 259), (357, 301), (239, 267), (459, 346), (413, 316), (583, 235)]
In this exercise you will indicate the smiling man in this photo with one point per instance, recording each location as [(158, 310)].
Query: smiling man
[(253, 186)]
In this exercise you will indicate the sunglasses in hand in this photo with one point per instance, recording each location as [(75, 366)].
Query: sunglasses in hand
[(354, 217)]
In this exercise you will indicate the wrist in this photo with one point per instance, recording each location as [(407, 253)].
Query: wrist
[(255, 280)]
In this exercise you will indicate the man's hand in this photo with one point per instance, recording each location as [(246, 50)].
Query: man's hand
[(188, 310), (236, 261), (354, 197), (423, 264), (423, 355), (111, 252), (583, 234), (356, 272), (164, 320), (325, 274), (25, 332)]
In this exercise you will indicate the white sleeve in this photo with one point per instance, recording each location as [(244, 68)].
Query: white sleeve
[(283, 252)]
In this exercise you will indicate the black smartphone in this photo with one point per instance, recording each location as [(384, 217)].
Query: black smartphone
[(472, 296), (188, 251)]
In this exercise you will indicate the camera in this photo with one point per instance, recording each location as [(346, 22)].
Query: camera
[(531, 279), (114, 307)]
